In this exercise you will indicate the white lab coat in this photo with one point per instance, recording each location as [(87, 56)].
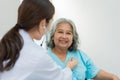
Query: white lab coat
[(34, 63)]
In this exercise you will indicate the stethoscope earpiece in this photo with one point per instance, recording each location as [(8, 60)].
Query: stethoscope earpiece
[(44, 27)]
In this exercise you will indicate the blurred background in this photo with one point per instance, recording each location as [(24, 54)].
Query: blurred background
[(97, 21)]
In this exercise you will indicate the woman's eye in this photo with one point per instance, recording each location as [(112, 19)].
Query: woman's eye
[(60, 32), (69, 33)]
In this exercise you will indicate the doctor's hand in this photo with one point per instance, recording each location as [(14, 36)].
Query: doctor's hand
[(72, 63)]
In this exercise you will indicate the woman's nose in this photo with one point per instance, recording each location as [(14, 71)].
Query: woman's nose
[(64, 35)]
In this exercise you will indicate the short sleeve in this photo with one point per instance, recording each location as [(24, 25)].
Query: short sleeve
[(91, 68)]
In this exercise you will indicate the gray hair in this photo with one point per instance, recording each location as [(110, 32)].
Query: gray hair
[(50, 34)]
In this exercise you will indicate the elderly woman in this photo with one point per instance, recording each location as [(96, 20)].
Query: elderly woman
[(63, 45)]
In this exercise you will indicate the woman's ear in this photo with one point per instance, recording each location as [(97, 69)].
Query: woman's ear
[(42, 23)]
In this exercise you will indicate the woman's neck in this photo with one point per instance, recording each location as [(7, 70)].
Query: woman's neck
[(60, 53), (35, 34)]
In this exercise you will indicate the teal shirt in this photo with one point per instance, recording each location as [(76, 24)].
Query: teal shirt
[(85, 67)]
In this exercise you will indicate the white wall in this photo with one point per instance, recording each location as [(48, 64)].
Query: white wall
[(98, 23), (8, 15)]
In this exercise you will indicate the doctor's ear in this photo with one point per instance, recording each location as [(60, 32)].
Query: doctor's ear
[(43, 22)]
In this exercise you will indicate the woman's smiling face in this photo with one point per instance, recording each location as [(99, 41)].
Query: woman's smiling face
[(63, 35)]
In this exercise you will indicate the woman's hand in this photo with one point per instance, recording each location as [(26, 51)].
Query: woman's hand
[(72, 63)]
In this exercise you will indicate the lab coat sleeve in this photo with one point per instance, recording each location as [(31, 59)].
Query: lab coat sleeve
[(51, 71)]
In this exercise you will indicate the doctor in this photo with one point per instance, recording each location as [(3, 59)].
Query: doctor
[(20, 57)]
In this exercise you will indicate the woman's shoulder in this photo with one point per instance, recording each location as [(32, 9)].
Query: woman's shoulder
[(81, 54)]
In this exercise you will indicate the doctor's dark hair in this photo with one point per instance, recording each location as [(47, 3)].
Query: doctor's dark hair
[(30, 13), (75, 43)]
